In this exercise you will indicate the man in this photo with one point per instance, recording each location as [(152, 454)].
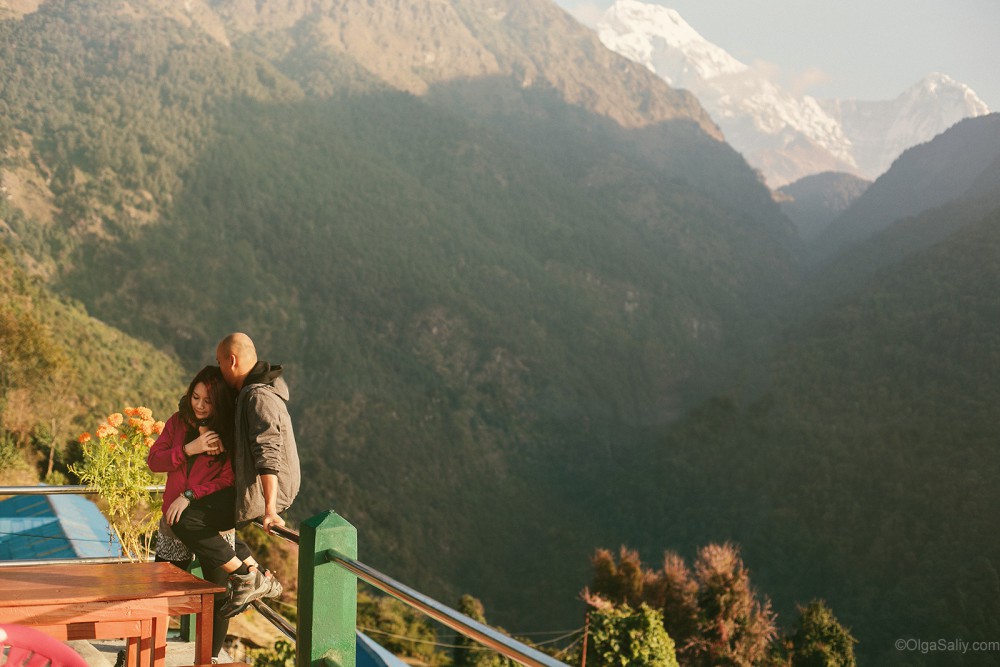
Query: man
[(265, 458)]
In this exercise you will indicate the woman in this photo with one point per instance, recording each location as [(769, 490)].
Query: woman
[(194, 450)]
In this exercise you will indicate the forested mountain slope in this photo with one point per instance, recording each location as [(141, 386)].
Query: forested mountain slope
[(64, 371), (474, 302), (922, 178), (862, 475)]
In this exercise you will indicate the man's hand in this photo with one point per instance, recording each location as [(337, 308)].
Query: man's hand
[(271, 518), (173, 513)]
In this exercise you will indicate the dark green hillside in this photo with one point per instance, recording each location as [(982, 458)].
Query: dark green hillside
[(865, 474), (64, 371), (922, 178), (480, 313), (815, 201), (468, 329), (853, 268)]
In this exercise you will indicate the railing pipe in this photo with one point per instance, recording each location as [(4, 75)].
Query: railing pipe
[(66, 561), (461, 623), (60, 490), (276, 619), (284, 533)]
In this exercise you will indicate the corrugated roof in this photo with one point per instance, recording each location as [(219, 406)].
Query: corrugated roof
[(37, 527)]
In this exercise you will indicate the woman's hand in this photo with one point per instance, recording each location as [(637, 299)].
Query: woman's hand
[(173, 513), (208, 442)]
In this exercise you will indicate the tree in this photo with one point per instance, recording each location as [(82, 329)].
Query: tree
[(712, 613), (620, 636), (819, 640), (675, 592), (468, 653), (623, 582), (734, 627)]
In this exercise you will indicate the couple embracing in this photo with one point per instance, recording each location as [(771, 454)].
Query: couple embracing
[(230, 458)]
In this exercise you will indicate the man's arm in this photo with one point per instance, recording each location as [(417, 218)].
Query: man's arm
[(270, 518)]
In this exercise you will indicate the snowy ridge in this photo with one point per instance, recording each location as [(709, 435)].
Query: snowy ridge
[(784, 136), (639, 31)]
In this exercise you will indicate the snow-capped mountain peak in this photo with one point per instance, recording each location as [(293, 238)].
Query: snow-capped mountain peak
[(784, 135), (640, 31)]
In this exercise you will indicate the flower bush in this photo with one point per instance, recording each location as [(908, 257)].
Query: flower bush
[(114, 466)]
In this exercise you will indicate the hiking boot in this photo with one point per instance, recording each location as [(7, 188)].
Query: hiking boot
[(242, 589), (274, 588)]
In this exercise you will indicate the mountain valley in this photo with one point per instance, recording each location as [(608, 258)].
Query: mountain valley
[(529, 302)]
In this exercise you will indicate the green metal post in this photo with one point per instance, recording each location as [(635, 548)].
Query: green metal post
[(188, 633), (328, 594)]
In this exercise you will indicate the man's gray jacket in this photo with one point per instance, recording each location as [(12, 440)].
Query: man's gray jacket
[(264, 443)]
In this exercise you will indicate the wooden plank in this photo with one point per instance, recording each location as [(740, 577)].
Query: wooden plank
[(51, 614), (103, 630), (71, 584)]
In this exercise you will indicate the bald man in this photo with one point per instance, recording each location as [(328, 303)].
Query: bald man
[(265, 458)]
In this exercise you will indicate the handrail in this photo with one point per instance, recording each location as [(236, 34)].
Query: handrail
[(480, 632), (276, 619), (284, 533), (66, 489), (65, 561), (484, 634)]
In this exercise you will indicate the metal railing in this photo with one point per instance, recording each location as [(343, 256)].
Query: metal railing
[(479, 632), (54, 490)]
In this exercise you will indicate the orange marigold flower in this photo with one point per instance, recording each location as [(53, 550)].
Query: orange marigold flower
[(145, 413), (146, 427), (116, 419), (158, 428), (84, 437), (148, 442), (104, 430), (135, 422), (130, 411)]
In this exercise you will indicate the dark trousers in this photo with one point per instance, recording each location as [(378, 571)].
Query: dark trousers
[(200, 524), (198, 529)]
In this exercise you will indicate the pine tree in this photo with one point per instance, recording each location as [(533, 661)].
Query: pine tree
[(734, 627)]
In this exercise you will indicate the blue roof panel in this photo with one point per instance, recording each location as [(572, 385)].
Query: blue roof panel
[(37, 527)]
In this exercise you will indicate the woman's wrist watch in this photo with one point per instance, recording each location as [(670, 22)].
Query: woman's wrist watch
[(189, 494)]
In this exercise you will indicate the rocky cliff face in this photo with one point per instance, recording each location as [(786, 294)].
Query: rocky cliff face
[(413, 46)]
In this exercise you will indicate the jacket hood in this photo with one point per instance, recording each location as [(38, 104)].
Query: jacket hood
[(265, 374)]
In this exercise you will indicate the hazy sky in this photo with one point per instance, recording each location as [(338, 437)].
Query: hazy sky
[(865, 49)]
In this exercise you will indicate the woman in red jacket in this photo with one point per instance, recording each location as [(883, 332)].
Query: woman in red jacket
[(194, 450)]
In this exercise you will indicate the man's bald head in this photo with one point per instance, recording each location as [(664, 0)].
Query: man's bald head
[(237, 356)]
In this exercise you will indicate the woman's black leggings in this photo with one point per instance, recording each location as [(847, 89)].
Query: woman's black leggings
[(200, 525)]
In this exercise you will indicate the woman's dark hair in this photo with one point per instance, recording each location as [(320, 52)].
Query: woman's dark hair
[(223, 405)]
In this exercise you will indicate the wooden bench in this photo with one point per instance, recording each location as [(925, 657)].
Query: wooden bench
[(133, 601)]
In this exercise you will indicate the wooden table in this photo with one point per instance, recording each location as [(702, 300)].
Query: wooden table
[(109, 601)]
